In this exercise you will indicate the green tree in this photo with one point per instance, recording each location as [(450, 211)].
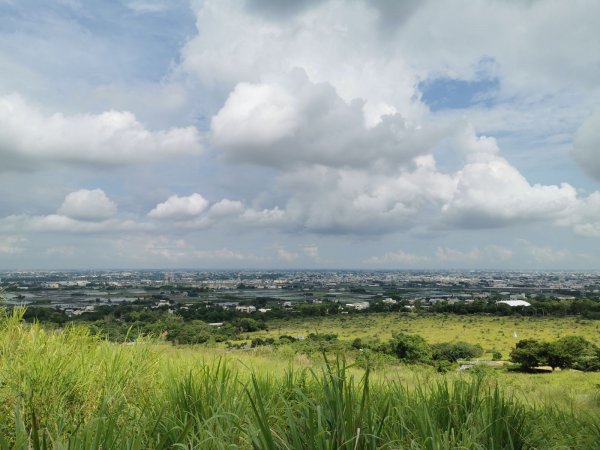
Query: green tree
[(453, 351), (410, 347), (570, 352), (530, 353)]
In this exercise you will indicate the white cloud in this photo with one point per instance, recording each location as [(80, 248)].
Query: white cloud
[(179, 208), (498, 253), (543, 253), (92, 205), (30, 137), (328, 97), (12, 245), (225, 208), (256, 115), (264, 217), (585, 217), (398, 257), (453, 255), (495, 194), (292, 121), (56, 223), (146, 6), (61, 250), (335, 42), (586, 146), (490, 254), (154, 249), (285, 255), (490, 192), (327, 200), (311, 250)]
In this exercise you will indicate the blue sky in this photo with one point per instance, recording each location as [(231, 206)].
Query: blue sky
[(314, 134)]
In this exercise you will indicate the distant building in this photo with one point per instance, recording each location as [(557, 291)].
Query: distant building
[(246, 309), (359, 306), (513, 303), (389, 301)]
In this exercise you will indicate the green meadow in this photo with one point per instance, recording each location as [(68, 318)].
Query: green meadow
[(493, 333), (67, 389)]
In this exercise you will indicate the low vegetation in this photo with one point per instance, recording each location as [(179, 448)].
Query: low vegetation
[(69, 389)]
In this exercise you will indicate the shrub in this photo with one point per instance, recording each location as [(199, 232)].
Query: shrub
[(411, 348), (259, 342), (570, 352), (453, 351), (530, 353)]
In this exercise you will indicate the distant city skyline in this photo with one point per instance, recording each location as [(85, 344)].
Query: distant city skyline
[(308, 134)]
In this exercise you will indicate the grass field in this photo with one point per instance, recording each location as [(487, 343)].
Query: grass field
[(491, 332), (70, 390)]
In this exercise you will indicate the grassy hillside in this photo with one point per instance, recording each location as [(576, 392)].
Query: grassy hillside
[(492, 333), (69, 390)]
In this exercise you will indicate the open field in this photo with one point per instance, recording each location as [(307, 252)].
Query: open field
[(493, 333), (68, 389)]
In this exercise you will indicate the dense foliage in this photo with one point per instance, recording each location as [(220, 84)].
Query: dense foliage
[(569, 352)]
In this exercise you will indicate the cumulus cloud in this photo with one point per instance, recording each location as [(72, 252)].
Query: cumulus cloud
[(340, 115), (331, 98), (273, 217), (92, 205), (490, 192), (342, 43), (328, 200), (495, 194), (293, 121), (56, 223), (84, 211), (225, 208), (334, 42), (586, 146), (585, 217), (30, 137), (179, 208)]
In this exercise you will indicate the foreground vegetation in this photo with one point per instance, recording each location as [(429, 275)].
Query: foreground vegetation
[(72, 390)]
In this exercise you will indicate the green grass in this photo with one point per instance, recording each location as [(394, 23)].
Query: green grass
[(71, 390), (491, 332)]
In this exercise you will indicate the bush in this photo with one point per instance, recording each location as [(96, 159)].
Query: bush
[(411, 348), (453, 351), (530, 353), (570, 352), (247, 325), (259, 342)]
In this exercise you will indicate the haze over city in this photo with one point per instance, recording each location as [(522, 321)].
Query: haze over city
[(300, 134)]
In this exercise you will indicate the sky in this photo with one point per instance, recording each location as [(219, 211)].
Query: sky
[(280, 134)]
